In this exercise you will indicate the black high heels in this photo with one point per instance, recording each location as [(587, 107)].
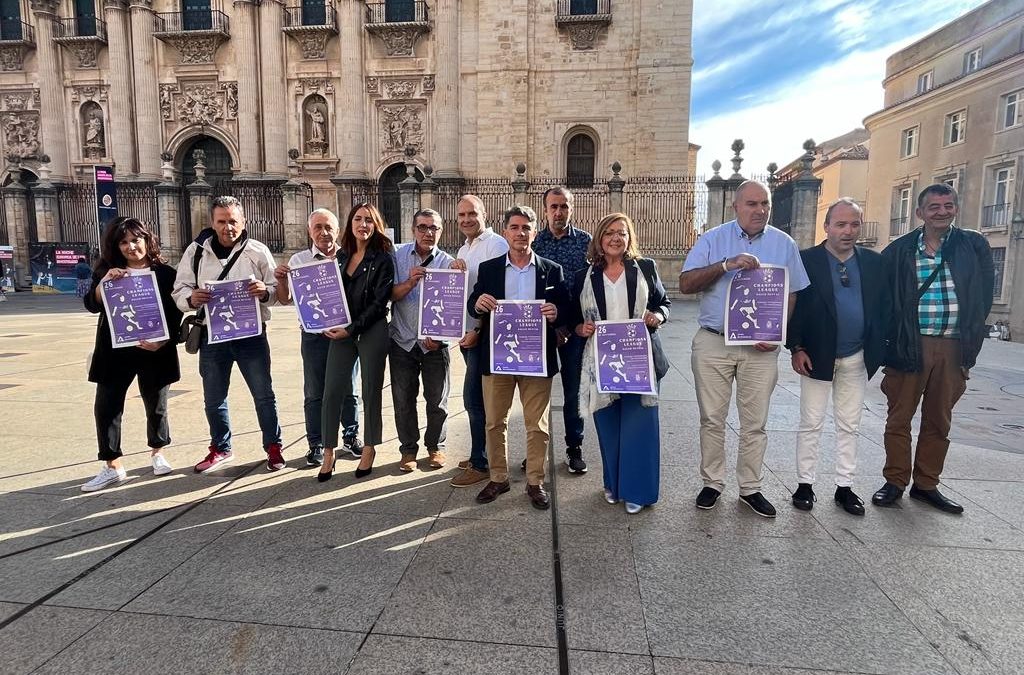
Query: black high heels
[(324, 476), (361, 473)]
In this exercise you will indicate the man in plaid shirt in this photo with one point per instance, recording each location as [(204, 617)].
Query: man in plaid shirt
[(941, 279)]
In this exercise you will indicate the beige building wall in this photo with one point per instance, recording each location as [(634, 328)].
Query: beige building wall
[(958, 116)]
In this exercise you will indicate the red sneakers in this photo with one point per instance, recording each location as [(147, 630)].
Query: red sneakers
[(213, 460), (275, 460)]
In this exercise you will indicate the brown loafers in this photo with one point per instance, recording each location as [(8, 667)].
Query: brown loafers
[(491, 492), (538, 497)]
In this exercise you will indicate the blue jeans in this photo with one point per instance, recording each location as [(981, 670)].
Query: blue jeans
[(314, 369), (570, 366), (629, 434), (253, 358), (473, 401)]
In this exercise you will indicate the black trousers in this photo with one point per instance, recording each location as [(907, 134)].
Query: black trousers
[(109, 407)]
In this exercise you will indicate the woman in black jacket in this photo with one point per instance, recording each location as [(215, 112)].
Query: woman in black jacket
[(129, 246), (368, 274)]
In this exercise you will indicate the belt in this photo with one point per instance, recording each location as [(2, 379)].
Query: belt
[(712, 330)]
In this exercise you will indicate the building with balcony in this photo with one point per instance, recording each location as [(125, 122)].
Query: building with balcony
[(954, 113), (344, 92)]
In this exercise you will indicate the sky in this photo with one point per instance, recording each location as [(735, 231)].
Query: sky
[(777, 72)]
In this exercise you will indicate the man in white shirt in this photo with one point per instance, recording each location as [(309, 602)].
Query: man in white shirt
[(482, 243)]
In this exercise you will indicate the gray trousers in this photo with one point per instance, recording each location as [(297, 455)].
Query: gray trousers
[(371, 349), (406, 369)]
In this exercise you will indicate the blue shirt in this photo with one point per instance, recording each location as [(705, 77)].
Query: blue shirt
[(849, 305), (570, 251), (405, 312), (521, 284), (772, 246)]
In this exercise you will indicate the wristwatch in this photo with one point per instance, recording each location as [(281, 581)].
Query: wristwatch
[(725, 265)]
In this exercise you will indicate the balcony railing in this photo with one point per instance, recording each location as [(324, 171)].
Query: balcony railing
[(996, 216), (899, 226), (209, 20), (397, 11), (568, 9), (84, 27), (868, 232), (16, 32), (303, 16)]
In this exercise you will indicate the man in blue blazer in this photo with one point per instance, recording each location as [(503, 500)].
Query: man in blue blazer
[(837, 338), (520, 274)]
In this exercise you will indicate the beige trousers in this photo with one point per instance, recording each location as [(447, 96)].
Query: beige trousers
[(535, 395)]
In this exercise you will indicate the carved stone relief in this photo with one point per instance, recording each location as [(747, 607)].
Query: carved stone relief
[(200, 104), (85, 52), (583, 35), (21, 133), (373, 85), (88, 92), (167, 92), (400, 126), (428, 84), (398, 39), (314, 85), (12, 57), (400, 88), (314, 44), (314, 123), (195, 49), (230, 99)]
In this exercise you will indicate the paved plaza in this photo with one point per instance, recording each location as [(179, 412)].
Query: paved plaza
[(245, 571)]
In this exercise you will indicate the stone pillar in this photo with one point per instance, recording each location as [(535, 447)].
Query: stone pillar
[(14, 196), (409, 191), (53, 140), (716, 198), (121, 130), (296, 235), (615, 187), (805, 201), (1013, 267), (520, 186), (243, 27), (168, 200), (199, 194), (428, 190), (350, 106), (734, 181), (343, 187), (47, 212), (445, 104), (275, 138), (148, 119)]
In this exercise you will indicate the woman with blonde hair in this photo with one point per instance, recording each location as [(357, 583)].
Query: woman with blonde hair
[(618, 285)]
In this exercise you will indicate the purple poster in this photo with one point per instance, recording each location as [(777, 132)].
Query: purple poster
[(442, 312), (518, 331), (756, 306), (134, 311), (319, 296), (232, 314), (623, 356)]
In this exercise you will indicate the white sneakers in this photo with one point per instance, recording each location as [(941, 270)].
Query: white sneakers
[(108, 476), (161, 467)]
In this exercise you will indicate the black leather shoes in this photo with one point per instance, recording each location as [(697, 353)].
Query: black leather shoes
[(850, 502), (759, 504), (538, 497), (936, 499), (887, 495), (707, 498), (491, 492), (803, 498)]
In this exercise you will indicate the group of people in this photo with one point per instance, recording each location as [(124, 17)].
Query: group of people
[(918, 309)]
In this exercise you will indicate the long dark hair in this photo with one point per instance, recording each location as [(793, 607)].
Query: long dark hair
[(112, 257), (378, 241)]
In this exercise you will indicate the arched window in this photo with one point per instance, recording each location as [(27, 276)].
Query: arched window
[(580, 158)]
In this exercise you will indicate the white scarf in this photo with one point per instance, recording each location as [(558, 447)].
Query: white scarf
[(590, 398)]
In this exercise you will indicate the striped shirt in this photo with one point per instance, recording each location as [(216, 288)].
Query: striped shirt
[(937, 310)]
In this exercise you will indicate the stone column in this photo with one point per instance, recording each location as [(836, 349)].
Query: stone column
[(168, 200), (149, 122), (17, 226), (243, 27), (615, 187), (275, 140), (199, 194), (1013, 267), (343, 188), (121, 131), (53, 141), (296, 236), (350, 104), (47, 212), (428, 190), (520, 186), (805, 201), (716, 198), (409, 191), (445, 104)]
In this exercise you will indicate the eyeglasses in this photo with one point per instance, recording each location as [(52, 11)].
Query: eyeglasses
[(621, 234), (844, 276), (433, 229)]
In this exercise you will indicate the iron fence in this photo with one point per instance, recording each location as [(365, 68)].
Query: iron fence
[(995, 215), (262, 205), (76, 204), (669, 212), (568, 8), (193, 20), (80, 26), (4, 236), (309, 15), (868, 232), (899, 226), (13, 30), (397, 11)]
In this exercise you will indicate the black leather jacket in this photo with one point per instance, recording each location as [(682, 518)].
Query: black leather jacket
[(369, 290), (968, 256)]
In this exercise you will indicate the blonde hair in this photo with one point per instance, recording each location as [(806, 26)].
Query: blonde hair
[(595, 254)]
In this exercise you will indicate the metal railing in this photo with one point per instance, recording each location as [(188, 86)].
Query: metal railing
[(669, 212), (76, 204), (570, 8), (262, 204), (13, 30), (396, 11), (81, 26), (192, 20), (996, 215), (310, 15), (868, 232), (899, 226)]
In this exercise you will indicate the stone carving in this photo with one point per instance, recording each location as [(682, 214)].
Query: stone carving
[(12, 57), (400, 88), (584, 34), (428, 84), (398, 39), (167, 100), (195, 48), (94, 145), (88, 92), (85, 52), (313, 44), (230, 99), (199, 104), (18, 101), (372, 85), (21, 134), (314, 84), (401, 126), (316, 126)]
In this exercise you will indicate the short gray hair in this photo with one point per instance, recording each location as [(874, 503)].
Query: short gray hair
[(849, 201), (428, 213), (939, 189), (747, 183), (327, 213), (225, 202), (519, 210)]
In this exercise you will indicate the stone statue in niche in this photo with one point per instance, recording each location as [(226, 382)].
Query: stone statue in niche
[(316, 126), (95, 146)]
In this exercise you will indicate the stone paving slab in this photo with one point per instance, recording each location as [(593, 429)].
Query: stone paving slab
[(42, 634)]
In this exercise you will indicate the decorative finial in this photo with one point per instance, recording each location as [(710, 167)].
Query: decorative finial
[(293, 154), (520, 168), (716, 166), (616, 168)]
